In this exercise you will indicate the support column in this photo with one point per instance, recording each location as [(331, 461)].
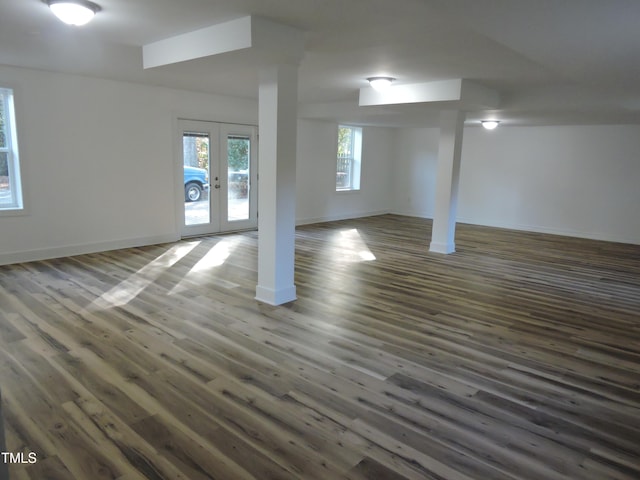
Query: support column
[(449, 152), (277, 124)]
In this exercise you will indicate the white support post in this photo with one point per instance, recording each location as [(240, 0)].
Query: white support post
[(277, 124), (449, 153), (281, 47)]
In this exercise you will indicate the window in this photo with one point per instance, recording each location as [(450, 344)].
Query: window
[(10, 186), (349, 156)]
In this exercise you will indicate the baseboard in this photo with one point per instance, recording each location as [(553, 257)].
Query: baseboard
[(413, 213), (606, 237), (71, 250), (333, 218)]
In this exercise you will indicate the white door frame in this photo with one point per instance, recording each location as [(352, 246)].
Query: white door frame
[(250, 132), (218, 179)]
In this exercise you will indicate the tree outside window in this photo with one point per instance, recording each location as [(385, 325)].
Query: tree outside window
[(348, 158), (10, 185)]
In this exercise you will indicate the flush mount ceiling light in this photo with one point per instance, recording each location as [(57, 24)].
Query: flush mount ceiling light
[(380, 83), (73, 12), (490, 124)]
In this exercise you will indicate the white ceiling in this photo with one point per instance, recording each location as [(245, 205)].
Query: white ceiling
[(553, 61)]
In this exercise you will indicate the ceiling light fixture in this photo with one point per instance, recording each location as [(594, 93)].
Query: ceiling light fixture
[(489, 124), (73, 12), (380, 83)]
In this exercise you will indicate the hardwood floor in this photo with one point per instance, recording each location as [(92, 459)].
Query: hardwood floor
[(517, 357)]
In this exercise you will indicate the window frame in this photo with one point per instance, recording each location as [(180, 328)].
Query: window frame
[(355, 159), (15, 205)]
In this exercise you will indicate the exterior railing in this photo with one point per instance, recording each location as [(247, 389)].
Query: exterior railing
[(343, 172)]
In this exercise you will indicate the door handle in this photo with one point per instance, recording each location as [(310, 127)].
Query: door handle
[(216, 186)]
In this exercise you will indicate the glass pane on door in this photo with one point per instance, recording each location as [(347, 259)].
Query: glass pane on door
[(238, 177), (196, 158)]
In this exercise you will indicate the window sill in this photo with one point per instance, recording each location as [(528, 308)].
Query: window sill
[(12, 212)]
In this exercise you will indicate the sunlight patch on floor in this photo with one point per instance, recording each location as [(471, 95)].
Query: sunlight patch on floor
[(352, 247), (215, 257), (128, 289)]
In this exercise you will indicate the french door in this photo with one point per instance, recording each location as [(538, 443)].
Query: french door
[(218, 177)]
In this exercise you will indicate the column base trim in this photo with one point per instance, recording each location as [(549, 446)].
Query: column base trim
[(275, 297), (445, 248)]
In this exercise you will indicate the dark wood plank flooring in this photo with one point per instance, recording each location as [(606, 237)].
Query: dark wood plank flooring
[(517, 357)]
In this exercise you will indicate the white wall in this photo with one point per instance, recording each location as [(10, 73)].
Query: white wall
[(415, 164), (573, 180), (97, 161), (97, 158), (317, 199)]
